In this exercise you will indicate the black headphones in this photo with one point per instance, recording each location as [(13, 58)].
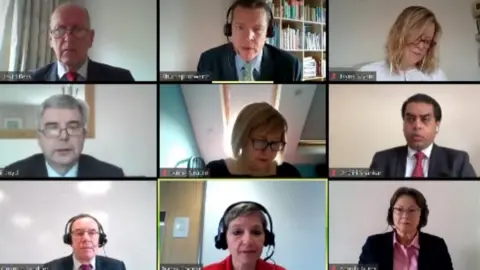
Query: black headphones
[(67, 237), (227, 29), (221, 237)]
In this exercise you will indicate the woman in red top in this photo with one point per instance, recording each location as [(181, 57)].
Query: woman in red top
[(243, 231)]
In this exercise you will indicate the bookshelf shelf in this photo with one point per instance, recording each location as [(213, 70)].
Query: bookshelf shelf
[(300, 28)]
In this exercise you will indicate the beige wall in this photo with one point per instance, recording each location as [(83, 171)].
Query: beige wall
[(364, 119), (181, 199)]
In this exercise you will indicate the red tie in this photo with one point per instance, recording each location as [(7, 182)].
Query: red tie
[(71, 76), (86, 267), (418, 170)]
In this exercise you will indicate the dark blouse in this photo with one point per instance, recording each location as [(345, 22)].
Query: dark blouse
[(218, 169)]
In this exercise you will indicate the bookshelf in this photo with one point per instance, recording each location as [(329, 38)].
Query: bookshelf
[(300, 28)]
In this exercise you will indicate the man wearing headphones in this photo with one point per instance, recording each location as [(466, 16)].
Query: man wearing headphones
[(422, 158), (243, 231), (247, 57), (85, 235)]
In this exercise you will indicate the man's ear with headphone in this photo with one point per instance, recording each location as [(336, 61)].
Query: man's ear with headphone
[(67, 236)]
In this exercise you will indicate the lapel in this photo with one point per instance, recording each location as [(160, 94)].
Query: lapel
[(82, 172), (92, 71), (435, 163), (99, 264), (401, 159), (67, 263), (52, 75), (229, 62), (266, 67), (388, 255), (422, 260), (39, 168)]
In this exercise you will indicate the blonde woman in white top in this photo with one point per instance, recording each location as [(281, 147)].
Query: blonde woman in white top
[(411, 49)]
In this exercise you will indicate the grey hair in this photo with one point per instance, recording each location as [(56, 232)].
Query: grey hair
[(70, 4), (62, 101), (241, 210)]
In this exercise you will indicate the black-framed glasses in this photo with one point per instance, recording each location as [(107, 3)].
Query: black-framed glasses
[(401, 211), (77, 32), (263, 144), (81, 233), (57, 132)]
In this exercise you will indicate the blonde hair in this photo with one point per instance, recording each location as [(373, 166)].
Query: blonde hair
[(253, 117), (411, 18)]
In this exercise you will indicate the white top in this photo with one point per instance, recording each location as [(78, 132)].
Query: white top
[(412, 161), (82, 71), (77, 264), (414, 74)]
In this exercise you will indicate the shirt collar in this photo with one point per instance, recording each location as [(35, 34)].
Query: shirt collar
[(82, 71), (427, 151), (256, 62), (73, 172), (77, 264), (415, 243)]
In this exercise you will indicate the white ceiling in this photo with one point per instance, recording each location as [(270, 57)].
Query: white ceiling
[(32, 94), (205, 108)]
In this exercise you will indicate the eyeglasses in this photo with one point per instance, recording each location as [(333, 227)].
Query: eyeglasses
[(81, 233), (76, 32), (57, 132), (263, 144), (401, 211), (427, 43)]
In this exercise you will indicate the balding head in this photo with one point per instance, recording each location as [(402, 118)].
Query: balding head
[(70, 10), (70, 35)]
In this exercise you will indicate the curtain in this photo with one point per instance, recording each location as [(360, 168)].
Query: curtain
[(24, 27)]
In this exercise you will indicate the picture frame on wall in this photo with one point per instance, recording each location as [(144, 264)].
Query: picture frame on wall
[(13, 123)]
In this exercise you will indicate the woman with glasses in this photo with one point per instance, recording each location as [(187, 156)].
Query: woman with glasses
[(258, 138), (411, 49), (406, 247)]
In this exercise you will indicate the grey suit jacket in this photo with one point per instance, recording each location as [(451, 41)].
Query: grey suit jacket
[(101, 263), (444, 163)]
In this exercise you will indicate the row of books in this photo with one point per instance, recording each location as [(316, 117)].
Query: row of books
[(292, 39), (297, 10), (313, 68)]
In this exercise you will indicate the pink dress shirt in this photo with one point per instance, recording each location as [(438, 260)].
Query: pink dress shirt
[(405, 257)]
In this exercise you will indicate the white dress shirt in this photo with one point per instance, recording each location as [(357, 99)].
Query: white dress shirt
[(384, 73), (412, 161), (77, 264), (81, 72), (73, 172)]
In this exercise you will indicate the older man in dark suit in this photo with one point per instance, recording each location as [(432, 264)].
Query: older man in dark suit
[(421, 158), (247, 57), (71, 37)]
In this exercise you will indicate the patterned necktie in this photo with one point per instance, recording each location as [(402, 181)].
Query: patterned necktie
[(418, 170), (248, 72), (86, 267), (71, 76)]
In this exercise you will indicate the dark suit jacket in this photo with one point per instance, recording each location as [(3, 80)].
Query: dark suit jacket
[(88, 167), (101, 263), (277, 65), (444, 163), (96, 72), (433, 253)]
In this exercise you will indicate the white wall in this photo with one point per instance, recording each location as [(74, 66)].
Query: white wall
[(125, 35), (188, 28), (453, 206), (126, 130), (33, 217), (359, 29), (364, 119), (298, 214)]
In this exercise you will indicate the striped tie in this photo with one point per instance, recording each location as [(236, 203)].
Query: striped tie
[(248, 72)]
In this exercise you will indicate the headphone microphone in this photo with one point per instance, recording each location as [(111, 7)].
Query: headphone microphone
[(227, 28), (221, 237), (67, 236)]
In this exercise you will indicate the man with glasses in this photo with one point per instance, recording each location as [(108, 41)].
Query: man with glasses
[(85, 235), (71, 36), (61, 135)]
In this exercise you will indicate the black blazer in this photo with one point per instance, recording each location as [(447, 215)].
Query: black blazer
[(101, 263), (96, 72), (444, 162), (433, 253), (277, 65), (88, 167)]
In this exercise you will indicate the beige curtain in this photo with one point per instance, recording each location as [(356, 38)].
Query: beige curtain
[(24, 26)]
